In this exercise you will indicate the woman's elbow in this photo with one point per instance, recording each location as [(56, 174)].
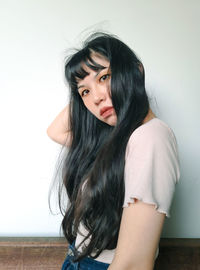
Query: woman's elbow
[(63, 139)]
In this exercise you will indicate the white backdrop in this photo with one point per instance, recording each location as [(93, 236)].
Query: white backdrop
[(34, 36)]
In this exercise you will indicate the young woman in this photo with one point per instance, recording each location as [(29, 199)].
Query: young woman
[(122, 164)]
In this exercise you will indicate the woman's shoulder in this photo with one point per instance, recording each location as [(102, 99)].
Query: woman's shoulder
[(153, 130), (154, 135)]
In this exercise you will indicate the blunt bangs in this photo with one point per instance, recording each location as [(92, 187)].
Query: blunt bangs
[(74, 69)]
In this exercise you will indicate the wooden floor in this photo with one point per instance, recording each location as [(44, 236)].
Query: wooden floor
[(179, 254), (49, 254), (32, 253)]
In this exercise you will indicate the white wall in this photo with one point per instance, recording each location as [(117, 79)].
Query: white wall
[(33, 38)]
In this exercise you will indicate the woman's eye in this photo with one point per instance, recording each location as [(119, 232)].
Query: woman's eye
[(84, 92), (104, 77)]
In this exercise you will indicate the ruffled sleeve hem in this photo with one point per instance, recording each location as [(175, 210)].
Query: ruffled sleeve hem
[(157, 207)]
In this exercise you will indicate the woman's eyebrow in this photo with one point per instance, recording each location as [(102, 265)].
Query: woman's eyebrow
[(80, 86)]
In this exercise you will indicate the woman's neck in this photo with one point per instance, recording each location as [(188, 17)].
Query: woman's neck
[(149, 116)]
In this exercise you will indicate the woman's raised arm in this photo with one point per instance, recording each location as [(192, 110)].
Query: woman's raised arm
[(59, 130)]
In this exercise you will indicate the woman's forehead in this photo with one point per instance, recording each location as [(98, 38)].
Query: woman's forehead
[(100, 59), (95, 64), (89, 73)]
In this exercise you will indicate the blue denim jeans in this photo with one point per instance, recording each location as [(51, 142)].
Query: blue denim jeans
[(85, 264)]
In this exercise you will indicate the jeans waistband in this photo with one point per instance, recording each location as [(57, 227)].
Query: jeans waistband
[(86, 263)]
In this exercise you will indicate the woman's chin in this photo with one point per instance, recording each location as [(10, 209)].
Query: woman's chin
[(111, 121)]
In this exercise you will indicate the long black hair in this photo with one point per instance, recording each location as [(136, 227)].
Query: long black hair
[(93, 170)]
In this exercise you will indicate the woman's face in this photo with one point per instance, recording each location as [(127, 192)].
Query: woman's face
[(95, 92)]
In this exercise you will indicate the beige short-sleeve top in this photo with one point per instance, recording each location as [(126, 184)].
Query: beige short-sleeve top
[(150, 174)]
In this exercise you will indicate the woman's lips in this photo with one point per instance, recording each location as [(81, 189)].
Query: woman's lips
[(107, 113)]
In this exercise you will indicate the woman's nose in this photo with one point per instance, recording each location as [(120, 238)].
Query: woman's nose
[(99, 95)]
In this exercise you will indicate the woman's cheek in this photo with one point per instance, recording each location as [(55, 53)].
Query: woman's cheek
[(89, 107)]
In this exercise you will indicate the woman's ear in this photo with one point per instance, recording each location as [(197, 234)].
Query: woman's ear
[(141, 68)]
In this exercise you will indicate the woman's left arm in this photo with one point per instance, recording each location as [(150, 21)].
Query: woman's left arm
[(139, 235)]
